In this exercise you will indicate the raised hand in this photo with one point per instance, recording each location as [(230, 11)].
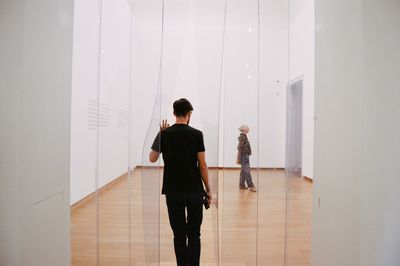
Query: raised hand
[(164, 124)]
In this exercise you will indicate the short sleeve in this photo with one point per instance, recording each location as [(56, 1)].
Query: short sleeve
[(200, 143), (157, 143)]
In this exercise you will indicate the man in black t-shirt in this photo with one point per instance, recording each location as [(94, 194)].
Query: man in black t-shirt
[(185, 170)]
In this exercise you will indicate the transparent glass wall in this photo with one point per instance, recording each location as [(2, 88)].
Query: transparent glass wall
[(191, 66), (240, 107), (274, 73), (100, 133), (299, 133), (85, 129), (146, 177), (113, 145), (188, 65), (255, 77), (231, 61)]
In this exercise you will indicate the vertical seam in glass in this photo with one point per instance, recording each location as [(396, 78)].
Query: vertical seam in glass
[(157, 100), (130, 133), (258, 123), (221, 112), (98, 136), (286, 170), (219, 121), (301, 129), (160, 89)]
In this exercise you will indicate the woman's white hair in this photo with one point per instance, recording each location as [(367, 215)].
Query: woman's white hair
[(244, 128)]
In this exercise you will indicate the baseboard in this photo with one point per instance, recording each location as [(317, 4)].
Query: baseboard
[(308, 179), (107, 186), (216, 168), (252, 168), (92, 195), (139, 167)]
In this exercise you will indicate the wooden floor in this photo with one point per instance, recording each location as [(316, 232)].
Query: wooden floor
[(130, 227)]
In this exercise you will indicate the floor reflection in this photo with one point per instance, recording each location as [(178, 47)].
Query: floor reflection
[(241, 242)]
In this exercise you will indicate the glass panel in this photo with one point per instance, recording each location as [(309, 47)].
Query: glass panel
[(272, 110), (300, 128), (299, 190), (207, 25), (251, 52), (240, 107), (193, 33), (84, 133), (113, 136), (146, 177), (150, 195)]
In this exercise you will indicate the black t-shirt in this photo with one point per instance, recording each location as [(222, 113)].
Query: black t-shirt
[(179, 145)]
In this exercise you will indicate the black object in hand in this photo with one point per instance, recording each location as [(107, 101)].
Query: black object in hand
[(206, 202)]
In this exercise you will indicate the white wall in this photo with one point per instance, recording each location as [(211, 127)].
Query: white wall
[(274, 26), (301, 54), (145, 70), (356, 134), (104, 78), (36, 52), (191, 68), (84, 91)]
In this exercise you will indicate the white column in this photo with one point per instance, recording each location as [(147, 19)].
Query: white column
[(380, 214), (338, 107), (357, 147), (36, 52)]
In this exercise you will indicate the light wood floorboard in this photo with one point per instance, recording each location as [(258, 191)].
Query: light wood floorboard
[(100, 227)]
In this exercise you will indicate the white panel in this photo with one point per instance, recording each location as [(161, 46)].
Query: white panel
[(337, 133), (39, 35), (11, 32), (380, 218), (357, 129), (46, 130)]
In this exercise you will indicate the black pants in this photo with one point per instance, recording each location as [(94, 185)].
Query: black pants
[(186, 228)]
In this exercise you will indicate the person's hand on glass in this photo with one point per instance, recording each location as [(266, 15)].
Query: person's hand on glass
[(209, 197), (208, 192), (164, 124)]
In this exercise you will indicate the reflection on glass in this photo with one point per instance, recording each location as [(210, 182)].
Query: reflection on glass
[(240, 98), (113, 137), (191, 67), (274, 71), (85, 134), (232, 65)]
